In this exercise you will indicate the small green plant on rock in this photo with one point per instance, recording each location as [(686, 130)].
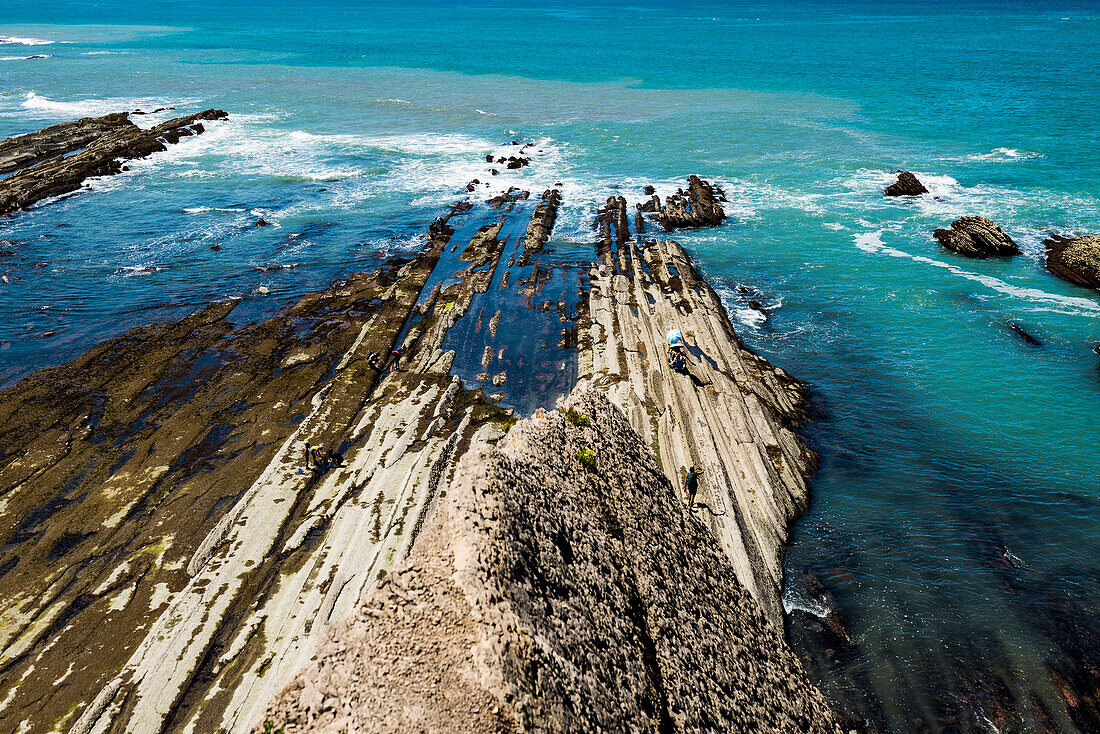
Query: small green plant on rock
[(577, 419), (587, 457), (269, 728)]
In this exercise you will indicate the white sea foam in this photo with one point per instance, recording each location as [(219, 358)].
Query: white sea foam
[(25, 58), (203, 209), (21, 41), (38, 104), (792, 601), (1005, 155)]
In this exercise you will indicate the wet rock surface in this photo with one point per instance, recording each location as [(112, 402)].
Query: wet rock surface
[(906, 185), (22, 151), (976, 237), (548, 595), (1076, 260), (697, 207), (101, 154)]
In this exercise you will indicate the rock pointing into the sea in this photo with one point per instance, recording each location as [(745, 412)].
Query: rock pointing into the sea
[(976, 237), (562, 587), (906, 185), (698, 207), (1076, 260), (27, 150)]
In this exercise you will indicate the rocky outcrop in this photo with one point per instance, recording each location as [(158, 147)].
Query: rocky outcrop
[(55, 140), (561, 587), (698, 207), (906, 185), (542, 223), (732, 413), (101, 156), (1076, 260), (976, 237)]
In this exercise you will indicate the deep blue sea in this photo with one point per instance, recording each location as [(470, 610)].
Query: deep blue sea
[(955, 518)]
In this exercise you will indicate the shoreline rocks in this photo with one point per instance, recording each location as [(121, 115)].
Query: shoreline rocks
[(1076, 260), (976, 237), (26, 150), (906, 185), (100, 154), (697, 207)]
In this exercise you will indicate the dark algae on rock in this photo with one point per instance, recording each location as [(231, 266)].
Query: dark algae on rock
[(976, 237)]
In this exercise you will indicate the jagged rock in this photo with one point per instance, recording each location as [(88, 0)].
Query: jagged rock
[(649, 191), (1076, 260), (976, 237), (906, 185), (697, 207), (489, 158), (555, 592), (100, 156), (27, 150)]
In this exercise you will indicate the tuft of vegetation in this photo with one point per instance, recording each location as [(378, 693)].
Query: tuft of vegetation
[(587, 457), (577, 419), (269, 728), (507, 423)]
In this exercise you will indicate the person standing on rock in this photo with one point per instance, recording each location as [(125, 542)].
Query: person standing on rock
[(306, 453), (692, 485)]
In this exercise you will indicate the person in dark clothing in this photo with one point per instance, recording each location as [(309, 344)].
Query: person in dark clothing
[(307, 453), (692, 484)]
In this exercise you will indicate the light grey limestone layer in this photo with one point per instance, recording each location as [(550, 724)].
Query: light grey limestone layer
[(732, 415)]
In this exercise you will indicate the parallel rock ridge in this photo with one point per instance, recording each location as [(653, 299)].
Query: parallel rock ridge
[(27, 150), (976, 237), (546, 596), (698, 207), (102, 148), (1076, 260), (906, 185)]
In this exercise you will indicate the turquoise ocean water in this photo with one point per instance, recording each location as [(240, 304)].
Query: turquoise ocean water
[(955, 524)]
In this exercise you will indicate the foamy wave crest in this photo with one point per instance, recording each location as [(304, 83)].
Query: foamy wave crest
[(25, 58), (35, 102), (793, 601), (203, 209), (21, 41), (134, 270), (1003, 155), (871, 242)]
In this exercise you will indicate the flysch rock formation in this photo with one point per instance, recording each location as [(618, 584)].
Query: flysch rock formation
[(697, 207), (26, 150), (551, 596), (1076, 260), (976, 237), (906, 185), (100, 149), (732, 415)]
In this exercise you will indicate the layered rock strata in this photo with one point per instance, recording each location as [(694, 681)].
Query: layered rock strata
[(102, 154), (697, 207), (906, 185), (557, 593), (732, 413), (1076, 260), (542, 223), (27, 150), (976, 237)]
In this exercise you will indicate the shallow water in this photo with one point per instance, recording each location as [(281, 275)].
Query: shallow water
[(958, 500)]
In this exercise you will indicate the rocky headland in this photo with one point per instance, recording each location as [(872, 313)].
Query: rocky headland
[(173, 555), (976, 237), (1076, 260)]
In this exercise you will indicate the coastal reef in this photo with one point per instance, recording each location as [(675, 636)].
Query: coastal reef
[(697, 207), (98, 147), (1076, 260), (976, 237), (548, 595), (906, 185)]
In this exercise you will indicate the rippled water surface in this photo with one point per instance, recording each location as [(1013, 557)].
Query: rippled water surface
[(946, 575)]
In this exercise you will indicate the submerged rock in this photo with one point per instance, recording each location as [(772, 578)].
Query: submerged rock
[(561, 587), (906, 185), (1076, 260), (976, 237)]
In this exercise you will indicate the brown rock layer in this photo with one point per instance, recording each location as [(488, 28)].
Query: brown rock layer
[(906, 185), (1076, 260), (102, 156), (547, 596), (698, 207), (26, 150), (976, 237)]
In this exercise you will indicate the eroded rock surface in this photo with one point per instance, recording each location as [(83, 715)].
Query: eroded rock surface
[(976, 237), (102, 154), (1076, 260), (697, 207), (551, 596), (26, 150), (906, 185)]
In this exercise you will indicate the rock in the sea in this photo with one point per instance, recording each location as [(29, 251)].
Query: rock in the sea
[(976, 237), (697, 207), (1076, 260), (906, 185), (57, 140), (562, 587)]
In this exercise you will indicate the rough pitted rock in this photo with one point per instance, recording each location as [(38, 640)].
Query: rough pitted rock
[(1076, 260), (545, 596), (27, 150), (976, 237), (102, 156), (906, 185), (698, 207)]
